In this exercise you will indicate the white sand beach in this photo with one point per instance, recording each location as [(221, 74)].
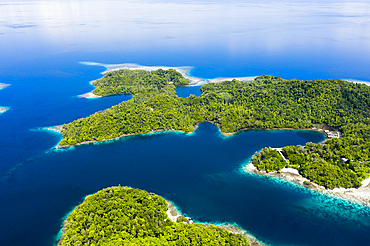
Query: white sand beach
[(2, 86), (194, 81), (55, 128), (89, 95), (358, 81), (172, 212), (185, 70), (3, 109)]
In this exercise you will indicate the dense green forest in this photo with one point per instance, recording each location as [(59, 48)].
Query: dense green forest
[(127, 216), (268, 160), (341, 162), (137, 81), (269, 102)]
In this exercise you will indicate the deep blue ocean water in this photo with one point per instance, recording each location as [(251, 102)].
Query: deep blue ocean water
[(42, 44)]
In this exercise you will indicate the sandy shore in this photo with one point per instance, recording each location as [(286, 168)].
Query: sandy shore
[(358, 81), (359, 195), (185, 71), (3, 85), (89, 95), (194, 81), (173, 214), (3, 109), (55, 128)]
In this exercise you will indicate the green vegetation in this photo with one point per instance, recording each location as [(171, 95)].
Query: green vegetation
[(137, 81), (127, 216), (181, 219), (268, 160), (269, 102), (342, 162)]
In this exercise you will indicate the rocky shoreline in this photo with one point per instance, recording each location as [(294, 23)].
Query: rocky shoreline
[(359, 195), (173, 214)]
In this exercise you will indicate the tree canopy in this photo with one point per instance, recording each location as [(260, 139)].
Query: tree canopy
[(126, 216), (269, 102), (340, 162)]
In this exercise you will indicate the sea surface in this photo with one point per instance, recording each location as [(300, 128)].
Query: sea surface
[(42, 46)]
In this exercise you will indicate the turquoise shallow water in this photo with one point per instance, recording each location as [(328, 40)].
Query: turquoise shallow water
[(43, 44)]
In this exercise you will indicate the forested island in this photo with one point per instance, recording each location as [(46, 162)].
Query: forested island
[(267, 103), (126, 216)]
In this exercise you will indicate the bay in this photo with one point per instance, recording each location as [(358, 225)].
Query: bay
[(42, 44), (199, 172)]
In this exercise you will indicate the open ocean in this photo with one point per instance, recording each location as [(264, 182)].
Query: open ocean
[(42, 46)]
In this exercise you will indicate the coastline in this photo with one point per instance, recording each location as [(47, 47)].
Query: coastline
[(55, 128), (60, 235), (358, 81), (359, 195), (173, 214), (3, 109), (185, 71), (225, 134), (2, 85), (59, 128), (89, 95)]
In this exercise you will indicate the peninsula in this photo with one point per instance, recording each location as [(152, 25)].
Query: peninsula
[(126, 216), (267, 103)]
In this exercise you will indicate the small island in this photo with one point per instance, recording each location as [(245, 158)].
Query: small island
[(184, 71), (267, 103), (126, 216)]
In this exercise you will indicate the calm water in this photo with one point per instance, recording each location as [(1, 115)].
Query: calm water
[(42, 43)]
